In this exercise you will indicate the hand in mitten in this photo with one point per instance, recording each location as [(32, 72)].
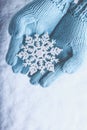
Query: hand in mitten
[(71, 35), (37, 17)]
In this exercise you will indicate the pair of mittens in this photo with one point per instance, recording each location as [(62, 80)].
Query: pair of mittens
[(43, 16)]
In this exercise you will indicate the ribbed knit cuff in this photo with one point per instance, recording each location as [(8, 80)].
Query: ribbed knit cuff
[(62, 5), (79, 10), (59, 1)]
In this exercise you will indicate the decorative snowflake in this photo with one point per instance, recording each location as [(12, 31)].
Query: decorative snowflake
[(39, 53)]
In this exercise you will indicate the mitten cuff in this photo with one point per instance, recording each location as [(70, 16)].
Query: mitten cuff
[(79, 10), (62, 5), (59, 2)]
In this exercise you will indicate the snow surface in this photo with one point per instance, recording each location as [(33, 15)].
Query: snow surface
[(62, 106)]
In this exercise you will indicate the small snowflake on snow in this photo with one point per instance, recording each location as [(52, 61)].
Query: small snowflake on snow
[(39, 53)]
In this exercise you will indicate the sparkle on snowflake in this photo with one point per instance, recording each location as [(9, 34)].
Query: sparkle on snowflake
[(39, 53)]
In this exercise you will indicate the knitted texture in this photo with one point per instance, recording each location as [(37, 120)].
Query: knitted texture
[(71, 35), (58, 3), (38, 17), (36, 11), (80, 10)]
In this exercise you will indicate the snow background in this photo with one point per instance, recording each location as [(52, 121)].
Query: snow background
[(62, 106)]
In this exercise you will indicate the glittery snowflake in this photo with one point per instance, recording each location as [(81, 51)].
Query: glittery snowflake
[(39, 53)]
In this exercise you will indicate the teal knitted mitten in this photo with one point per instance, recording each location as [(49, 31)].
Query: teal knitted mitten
[(71, 35), (37, 17)]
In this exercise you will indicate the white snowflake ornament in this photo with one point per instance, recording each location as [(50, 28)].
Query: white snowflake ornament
[(39, 53)]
